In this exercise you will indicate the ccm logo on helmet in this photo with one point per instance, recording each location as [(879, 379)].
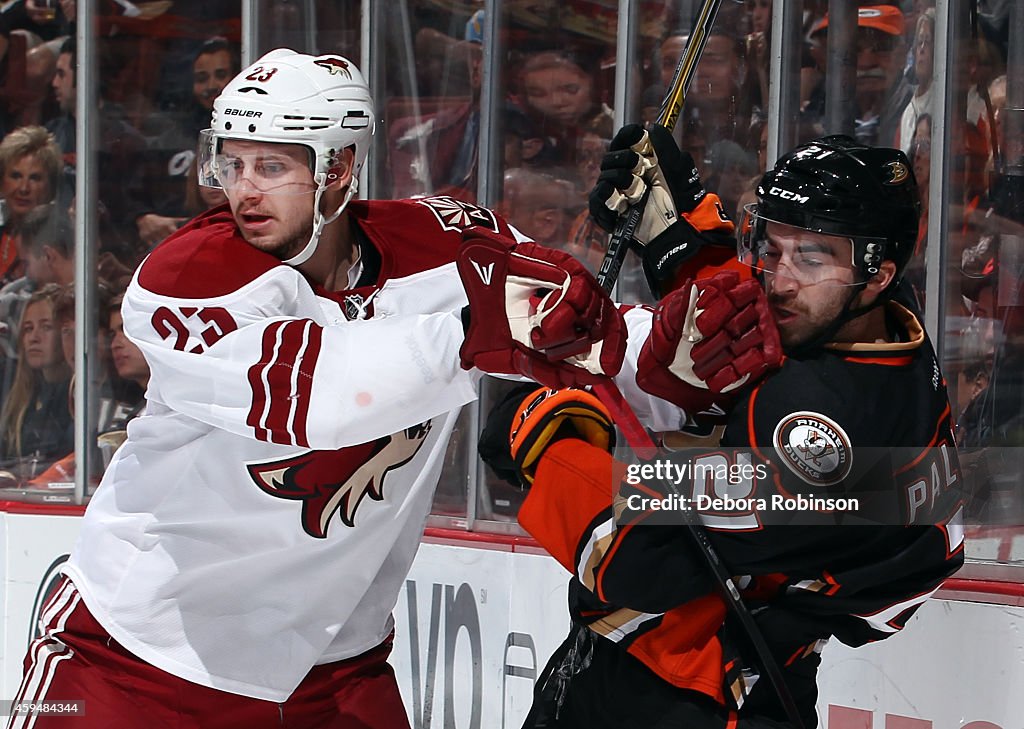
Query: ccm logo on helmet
[(788, 195), (242, 112)]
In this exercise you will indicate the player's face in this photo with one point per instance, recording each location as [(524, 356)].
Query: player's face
[(40, 340), (808, 279), (270, 189)]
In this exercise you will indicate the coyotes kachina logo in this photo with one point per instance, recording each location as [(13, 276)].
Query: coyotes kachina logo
[(336, 481), (336, 66)]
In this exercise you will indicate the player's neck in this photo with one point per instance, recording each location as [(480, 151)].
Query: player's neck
[(869, 328), (335, 254)]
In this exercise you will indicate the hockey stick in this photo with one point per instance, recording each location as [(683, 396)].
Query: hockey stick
[(621, 238), (671, 105), (635, 434), (724, 582)]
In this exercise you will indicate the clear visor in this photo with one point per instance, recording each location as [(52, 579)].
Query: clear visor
[(775, 250), (236, 165)]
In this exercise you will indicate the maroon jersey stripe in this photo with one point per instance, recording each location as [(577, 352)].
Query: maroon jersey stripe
[(304, 386), (260, 389)]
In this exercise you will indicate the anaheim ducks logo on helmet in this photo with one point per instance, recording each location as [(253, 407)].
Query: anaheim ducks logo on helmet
[(337, 481), (899, 173)]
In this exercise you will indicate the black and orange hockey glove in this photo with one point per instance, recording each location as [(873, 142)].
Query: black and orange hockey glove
[(682, 225), (519, 429)]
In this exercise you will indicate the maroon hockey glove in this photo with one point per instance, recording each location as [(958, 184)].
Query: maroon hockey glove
[(537, 312), (708, 339)]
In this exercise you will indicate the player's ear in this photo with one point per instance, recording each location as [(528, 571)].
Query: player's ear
[(340, 173), (877, 283)]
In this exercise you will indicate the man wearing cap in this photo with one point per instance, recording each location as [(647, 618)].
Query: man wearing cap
[(882, 92)]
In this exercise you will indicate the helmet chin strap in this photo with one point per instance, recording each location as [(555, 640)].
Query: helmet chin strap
[(319, 221), (848, 314)]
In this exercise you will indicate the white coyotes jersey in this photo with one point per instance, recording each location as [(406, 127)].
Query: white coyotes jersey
[(263, 513)]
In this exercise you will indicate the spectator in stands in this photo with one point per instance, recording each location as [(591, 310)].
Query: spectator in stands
[(27, 71), (669, 53), (560, 95), (984, 64), (758, 44), (47, 243), (650, 104), (46, 20), (435, 151), (539, 203), (585, 239), (30, 166), (35, 420), (121, 146), (921, 159), (117, 399), (126, 393), (993, 128), (129, 364), (881, 93), (172, 142), (64, 313), (591, 146), (729, 171), (721, 96), (199, 198), (924, 58), (213, 67), (64, 91), (524, 145)]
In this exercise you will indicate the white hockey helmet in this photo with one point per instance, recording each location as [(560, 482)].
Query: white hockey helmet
[(321, 102)]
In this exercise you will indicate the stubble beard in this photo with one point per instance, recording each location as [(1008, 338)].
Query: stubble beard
[(811, 323), (289, 247)]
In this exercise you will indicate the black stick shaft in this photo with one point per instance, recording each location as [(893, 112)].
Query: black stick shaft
[(671, 105)]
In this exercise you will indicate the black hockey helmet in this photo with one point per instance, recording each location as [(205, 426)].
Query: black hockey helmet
[(837, 186)]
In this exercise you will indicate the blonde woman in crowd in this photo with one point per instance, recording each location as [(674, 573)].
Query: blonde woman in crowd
[(30, 166)]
